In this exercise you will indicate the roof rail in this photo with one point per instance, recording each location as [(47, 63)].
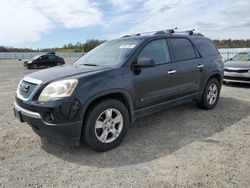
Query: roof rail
[(166, 31), (189, 32), (153, 32)]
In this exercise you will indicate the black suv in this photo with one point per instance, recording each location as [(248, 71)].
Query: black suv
[(45, 60), (97, 97)]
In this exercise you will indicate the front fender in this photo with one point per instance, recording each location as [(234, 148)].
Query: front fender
[(126, 95)]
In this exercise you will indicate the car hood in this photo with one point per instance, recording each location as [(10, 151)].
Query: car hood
[(237, 64), (61, 72)]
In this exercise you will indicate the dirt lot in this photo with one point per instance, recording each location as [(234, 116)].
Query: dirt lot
[(181, 147)]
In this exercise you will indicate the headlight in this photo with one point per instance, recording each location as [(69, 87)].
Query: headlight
[(58, 89), (29, 62)]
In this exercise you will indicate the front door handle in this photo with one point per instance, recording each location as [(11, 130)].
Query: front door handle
[(171, 71)]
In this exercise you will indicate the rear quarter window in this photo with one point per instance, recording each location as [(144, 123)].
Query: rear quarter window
[(206, 47)]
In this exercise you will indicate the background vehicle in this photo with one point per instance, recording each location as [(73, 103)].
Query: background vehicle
[(45, 60), (96, 98), (237, 69)]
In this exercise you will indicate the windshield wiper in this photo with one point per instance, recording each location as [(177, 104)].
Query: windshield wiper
[(90, 64)]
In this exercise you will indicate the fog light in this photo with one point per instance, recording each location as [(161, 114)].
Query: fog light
[(48, 117)]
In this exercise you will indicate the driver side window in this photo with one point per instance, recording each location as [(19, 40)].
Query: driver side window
[(156, 50)]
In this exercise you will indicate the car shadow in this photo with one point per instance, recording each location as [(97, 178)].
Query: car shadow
[(159, 134)]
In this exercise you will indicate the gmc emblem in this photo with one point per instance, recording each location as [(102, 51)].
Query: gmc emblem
[(24, 88)]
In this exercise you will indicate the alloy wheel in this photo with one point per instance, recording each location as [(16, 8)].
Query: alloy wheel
[(108, 125)]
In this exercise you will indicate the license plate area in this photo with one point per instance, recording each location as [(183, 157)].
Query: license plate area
[(18, 114)]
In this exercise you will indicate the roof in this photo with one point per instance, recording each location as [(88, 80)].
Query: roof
[(168, 32)]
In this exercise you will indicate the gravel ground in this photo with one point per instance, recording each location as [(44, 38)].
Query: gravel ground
[(180, 147)]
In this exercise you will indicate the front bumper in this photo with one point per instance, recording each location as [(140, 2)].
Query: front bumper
[(236, 77), (25, 64), (60, 133)]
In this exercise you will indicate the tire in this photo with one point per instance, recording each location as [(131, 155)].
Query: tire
[(210, 94), (94, 133), (28, 67)]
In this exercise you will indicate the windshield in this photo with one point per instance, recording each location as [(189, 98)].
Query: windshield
[(241, 57), (109, 53), (36, 57)]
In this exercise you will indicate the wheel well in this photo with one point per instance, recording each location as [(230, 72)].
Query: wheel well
[(118, 96), (216, 76)]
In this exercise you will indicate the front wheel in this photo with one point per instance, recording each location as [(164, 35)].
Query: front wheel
[(210, 94), (34, 66), (106, 125)]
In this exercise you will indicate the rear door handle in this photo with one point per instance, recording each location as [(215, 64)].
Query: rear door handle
[(200, 66), (171, 71)]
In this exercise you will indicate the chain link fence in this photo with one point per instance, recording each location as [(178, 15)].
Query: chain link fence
[(30, 55), (228, 53)]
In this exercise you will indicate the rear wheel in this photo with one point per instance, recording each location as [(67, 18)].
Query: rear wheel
[(210, 94), (106, 125)]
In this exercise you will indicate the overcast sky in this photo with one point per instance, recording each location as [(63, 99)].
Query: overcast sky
[(51, 23)]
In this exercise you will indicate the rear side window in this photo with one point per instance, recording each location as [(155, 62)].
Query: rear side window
[(206, 47), (52, 57), (182, 49), (156, 50)]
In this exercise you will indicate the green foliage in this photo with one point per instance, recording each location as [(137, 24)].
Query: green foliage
[(10, 49), (90, 44), (78, 47), (232, 43)]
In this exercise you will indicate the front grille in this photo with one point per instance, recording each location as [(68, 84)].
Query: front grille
[(236, 78), (236, 70), (25, 89)]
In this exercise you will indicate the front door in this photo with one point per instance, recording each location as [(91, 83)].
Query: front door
[(157, 84)]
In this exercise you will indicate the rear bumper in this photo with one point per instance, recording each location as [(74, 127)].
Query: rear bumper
[(64, 133), (236, 77)]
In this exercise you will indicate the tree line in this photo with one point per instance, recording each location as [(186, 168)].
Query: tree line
[(90, 44), (78, 47), (232, 43)]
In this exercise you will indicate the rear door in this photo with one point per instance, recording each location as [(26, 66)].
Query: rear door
[(46, 60), (52, 60), (189, 66), (154, 85)]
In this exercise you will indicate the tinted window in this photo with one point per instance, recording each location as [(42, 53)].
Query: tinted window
[(206, 47), (52, 57), (45, 57), (182, 49), (156, 50)]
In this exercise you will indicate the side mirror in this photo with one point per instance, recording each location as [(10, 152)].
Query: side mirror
[(145, 62)]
